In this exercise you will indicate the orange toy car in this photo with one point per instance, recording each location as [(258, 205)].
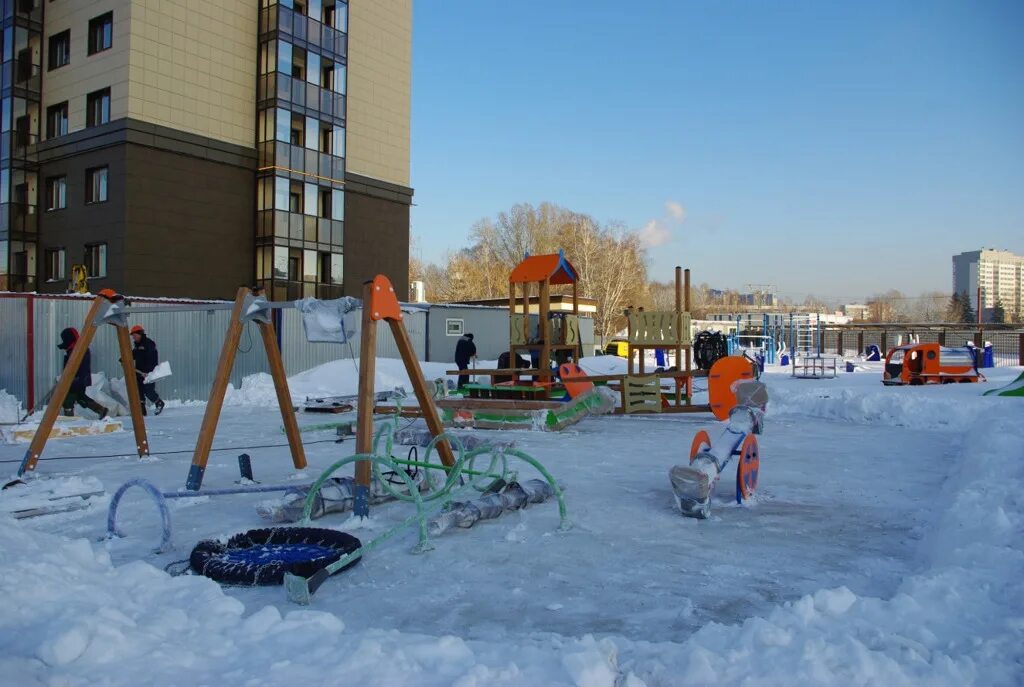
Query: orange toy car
[(929, 363)]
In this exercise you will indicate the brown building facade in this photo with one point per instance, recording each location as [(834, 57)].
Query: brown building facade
[(184, 152)]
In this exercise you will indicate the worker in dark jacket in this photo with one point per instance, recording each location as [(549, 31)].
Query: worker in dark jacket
[(82, 379), (465, 349), (146, 360)]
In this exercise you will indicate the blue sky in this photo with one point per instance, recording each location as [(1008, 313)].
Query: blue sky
[(834, 148)]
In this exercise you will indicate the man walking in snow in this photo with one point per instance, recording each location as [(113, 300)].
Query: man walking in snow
[(146, 359), (464, 350), (82, 380)]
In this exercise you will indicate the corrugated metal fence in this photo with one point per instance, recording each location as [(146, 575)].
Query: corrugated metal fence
[(190, 340)]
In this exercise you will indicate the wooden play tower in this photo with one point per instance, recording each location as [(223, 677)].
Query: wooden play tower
[(555, 333)]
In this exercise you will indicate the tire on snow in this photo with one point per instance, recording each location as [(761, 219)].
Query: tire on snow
[(263, 556)]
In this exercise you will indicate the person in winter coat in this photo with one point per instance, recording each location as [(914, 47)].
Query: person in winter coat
[(146, 359), (465, 349), (82, 379)]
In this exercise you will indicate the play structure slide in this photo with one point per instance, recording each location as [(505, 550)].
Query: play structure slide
[(1014, 388)]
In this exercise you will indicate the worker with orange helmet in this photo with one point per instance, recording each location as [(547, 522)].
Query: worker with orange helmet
[(146, 360)]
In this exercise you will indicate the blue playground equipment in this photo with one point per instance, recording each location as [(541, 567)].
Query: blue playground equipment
[(761, 346)]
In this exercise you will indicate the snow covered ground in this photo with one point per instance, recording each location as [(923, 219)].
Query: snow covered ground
[(885, 547)]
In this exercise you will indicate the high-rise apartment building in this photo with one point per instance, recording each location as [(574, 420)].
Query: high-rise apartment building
[(182, 148), (999, 274)]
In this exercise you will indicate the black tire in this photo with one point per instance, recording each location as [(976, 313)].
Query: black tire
[(226, 562)]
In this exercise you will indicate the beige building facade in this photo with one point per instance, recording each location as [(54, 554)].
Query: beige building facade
[(181, 148)]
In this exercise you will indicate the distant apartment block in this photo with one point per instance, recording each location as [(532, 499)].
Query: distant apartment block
[(999, 274), (857, 311)]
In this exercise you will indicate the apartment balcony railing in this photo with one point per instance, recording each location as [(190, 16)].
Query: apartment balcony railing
[(300, 95), (327, 234), (304, 31), (296, 161), (19, 218)]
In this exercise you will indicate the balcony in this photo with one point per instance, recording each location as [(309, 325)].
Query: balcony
[(19, 218), (303, 31), (18, 146), (296, 93), (316, 233), (21, 74), (299, 159)]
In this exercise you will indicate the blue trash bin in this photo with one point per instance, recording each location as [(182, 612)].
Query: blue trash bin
[(988, 358), (849, 366)]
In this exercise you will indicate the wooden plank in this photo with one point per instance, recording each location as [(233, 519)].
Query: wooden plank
[(85, 336), (496, 404), (207, 430), (494, 373), (673, 374), (367, 373), (131, 385), (423, 392), (284, 397)]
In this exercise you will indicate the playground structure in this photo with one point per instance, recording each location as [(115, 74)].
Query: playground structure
[(107, 308), (266, 557), (693, 485), (806, 349), (758, 340), (916, 363), (515, 404)]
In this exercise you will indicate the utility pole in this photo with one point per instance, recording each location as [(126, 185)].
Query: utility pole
[(979, 304)]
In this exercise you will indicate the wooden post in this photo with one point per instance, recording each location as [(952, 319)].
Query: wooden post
[(576, 313), (860, 343), (526, 308), (885, 349), (1020, 349), (423, 394), (131, 384), (35, 448), (839, 343), (679, 331), (686, 307), (511, 319), (942, 339), (284, 397), (629, 344), (364, 404), (220, 386), (545, 334)]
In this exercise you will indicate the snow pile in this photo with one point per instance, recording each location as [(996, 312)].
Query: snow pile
[(86, 622), (336, 378), (10, 408), (949, 407)]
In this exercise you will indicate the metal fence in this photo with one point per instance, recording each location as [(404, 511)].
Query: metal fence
[(30, 327), (850, 340)]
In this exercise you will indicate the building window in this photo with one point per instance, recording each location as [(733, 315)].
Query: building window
[(295, 197), (59, 53), (101, 33), (325, 203), (55, 264), (96, 260), (97, 107), (57, 120), (56, 193), (96, 185), (298, 63)]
